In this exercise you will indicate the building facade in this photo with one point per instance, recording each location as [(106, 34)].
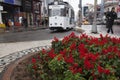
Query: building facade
[(16, 9), (44, 8), (110, 3), (11, 10)]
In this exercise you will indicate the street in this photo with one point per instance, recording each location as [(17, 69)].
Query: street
[(43, 34), (46, 34)]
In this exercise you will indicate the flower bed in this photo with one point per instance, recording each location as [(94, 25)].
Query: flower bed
[(78, 58)]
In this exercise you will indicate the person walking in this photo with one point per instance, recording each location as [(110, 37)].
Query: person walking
[(112, 15), (25, 23), (10, 24), (38, 20)]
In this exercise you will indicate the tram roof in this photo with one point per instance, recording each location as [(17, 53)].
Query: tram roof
[(60, 3)]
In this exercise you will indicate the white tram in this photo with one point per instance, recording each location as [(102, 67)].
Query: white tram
[(61, 16)]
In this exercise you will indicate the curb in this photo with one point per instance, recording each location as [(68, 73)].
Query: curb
[(6, 60), (79, 29)]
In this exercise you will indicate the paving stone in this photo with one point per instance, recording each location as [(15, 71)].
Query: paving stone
[(4, 61)]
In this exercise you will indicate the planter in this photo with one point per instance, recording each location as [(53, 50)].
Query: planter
[(17, 69)]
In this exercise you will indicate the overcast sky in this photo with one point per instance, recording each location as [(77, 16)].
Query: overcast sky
[(75, 3)]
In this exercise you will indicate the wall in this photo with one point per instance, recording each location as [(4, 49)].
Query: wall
[(1, 8)]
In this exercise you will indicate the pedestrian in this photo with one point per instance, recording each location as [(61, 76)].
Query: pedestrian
[(38, 20), (25, 23), (6, 23), (106, 15), (112, 15), (10, 24)]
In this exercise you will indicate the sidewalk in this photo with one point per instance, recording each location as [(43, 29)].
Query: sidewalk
[(29, 28), (11, 51), (101, 29)]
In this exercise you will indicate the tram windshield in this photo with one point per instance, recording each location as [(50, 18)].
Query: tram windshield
[(57, 12)]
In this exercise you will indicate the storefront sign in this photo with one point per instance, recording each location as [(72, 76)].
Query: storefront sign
[(9, 1)]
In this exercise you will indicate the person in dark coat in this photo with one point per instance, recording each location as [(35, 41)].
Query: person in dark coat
[(25, 23), (112, 15)]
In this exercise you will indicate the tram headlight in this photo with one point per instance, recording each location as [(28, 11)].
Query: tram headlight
[(55, 23)]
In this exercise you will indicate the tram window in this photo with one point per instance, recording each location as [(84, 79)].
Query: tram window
[(72, 13), (49, 12), (67, 11), (63, 12), (55, 12)]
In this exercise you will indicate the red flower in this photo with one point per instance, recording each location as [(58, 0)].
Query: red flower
[(34, 67), (70, 59), (100, 69), (88, 65), (73, 69), (80, 70), (65, 40), (63, 52), (107, 71), (110, 56), (38, 57), (51, 54), (83, 36), (82, 55), (75, 64), (72, 35), (101, 36), (81, 48), (92, 57), (59, 57), (55, 39), (118, 54), (73, 46), (33, 60), (44, 51)]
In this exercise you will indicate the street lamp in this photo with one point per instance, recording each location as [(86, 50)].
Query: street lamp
[(80, 13), (44, 11), (102, 10), (94, 26)]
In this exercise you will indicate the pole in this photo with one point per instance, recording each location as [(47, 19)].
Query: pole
[(44, 14), (94, 26), (102, 10), (80, 13)]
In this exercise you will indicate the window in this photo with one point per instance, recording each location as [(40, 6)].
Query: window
[(63, 12), (55, 12), (49, 12)]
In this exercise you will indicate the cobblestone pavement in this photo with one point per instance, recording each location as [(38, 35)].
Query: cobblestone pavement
[(6, 60)]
